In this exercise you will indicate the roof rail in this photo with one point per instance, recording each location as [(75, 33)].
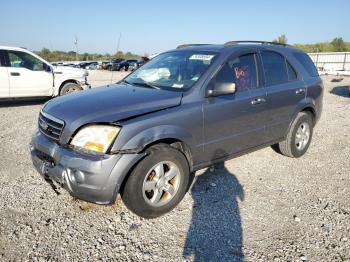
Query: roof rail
[(253, 42), (189, 45)]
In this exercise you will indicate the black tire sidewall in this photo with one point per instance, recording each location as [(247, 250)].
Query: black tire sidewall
[(303, 118), (132, 194)]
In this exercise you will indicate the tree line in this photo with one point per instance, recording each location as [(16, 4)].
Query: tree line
[(54, 56), (336, 45)]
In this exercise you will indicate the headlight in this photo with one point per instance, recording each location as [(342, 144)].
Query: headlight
[(95, 137)]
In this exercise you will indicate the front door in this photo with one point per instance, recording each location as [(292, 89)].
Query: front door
[(4, 81), (233, 123), (28, 76)]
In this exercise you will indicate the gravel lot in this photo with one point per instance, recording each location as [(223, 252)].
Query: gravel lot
[(262, 206)]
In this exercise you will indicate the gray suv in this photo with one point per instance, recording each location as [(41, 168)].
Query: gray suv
[(184, 110)]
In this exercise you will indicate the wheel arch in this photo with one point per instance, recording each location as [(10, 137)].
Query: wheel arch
[(307, 108), (172, 142), (66, 82), (310, 110), (175, 143)]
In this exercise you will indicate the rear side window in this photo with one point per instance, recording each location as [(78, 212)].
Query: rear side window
[(292, 75), (274, 68), (307, 63)]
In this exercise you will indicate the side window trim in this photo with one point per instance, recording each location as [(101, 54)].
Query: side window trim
[(261, 75)]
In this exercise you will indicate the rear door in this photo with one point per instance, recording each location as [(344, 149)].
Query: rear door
[(4, 81), (285, 90), (233, 123), (28, 76)]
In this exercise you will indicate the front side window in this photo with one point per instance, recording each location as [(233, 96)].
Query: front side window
[(25, 60), (177, 71), (274, 68), (241, 71)]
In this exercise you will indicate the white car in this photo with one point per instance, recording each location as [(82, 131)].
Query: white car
[(24, 74)]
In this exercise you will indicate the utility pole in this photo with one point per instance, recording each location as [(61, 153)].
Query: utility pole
[(76, 48)]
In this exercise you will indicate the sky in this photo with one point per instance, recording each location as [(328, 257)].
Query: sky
[(156, 26)]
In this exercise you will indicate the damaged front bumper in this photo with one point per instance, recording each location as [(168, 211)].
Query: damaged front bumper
[(93, 178), (84, 84)]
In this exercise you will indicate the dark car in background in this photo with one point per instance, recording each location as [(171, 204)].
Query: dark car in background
[(85, 64), (182, 111), (104, 64), (131, 64), (123, 64), (114, 64)]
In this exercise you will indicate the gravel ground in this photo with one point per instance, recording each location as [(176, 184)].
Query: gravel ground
[(261, 206)]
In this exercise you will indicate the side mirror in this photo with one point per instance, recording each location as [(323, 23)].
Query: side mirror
[(47, 68), (221, 89)]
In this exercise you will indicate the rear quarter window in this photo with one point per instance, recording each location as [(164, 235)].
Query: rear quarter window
[(307, 63), (292, 75)]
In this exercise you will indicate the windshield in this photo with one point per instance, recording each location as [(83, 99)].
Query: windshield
[(173, 70)]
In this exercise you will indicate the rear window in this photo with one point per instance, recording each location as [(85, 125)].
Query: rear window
[(307, 63)]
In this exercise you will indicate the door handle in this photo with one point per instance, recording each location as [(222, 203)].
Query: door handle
[(258, 101), (15, 74), (300, 91)]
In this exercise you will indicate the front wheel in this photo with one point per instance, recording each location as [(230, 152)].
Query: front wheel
[(299, 136), (158, 183), (70, 88)]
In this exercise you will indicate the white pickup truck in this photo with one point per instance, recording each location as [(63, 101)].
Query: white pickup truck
[(24, 74)]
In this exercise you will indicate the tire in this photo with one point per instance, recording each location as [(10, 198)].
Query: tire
[(70, 88), (147, 174), (299, 136)]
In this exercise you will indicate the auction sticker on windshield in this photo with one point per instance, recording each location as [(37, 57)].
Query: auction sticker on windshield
[(201, 57)]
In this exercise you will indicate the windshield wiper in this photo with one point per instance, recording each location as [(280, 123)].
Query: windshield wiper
[(145, 84), (126, 82)]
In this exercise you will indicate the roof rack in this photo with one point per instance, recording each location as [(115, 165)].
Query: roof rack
[(253, 42), (189, 45)]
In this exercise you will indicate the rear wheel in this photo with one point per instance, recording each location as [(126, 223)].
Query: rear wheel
[(299, 136), (70, 88), (158, 183)]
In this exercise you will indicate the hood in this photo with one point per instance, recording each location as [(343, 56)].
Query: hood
[(108, 104), (69, 70)]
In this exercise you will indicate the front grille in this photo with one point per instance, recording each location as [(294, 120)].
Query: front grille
[(50, 126)]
